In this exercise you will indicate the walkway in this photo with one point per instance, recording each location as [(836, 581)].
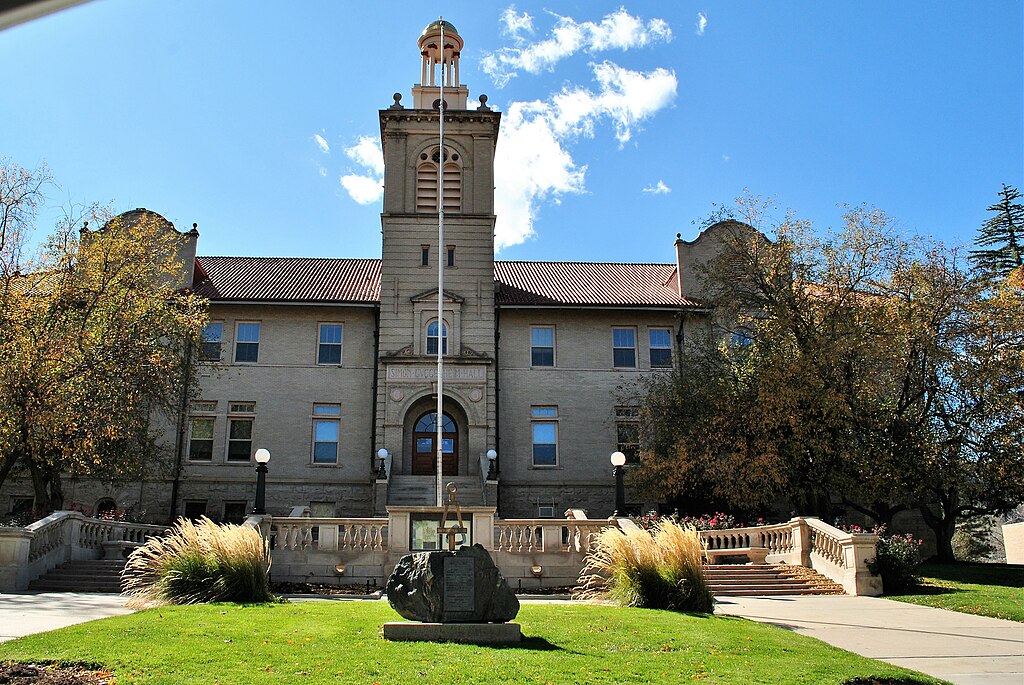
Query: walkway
[(36, 612), (961, 648)]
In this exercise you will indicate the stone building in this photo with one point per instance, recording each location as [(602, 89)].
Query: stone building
[(326, 362)]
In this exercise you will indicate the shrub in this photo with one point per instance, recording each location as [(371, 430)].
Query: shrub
[(200, 562), (659, 569), (896, 560), (716, 521)]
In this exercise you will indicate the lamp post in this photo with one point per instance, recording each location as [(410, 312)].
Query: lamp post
[(491, 457), (383, 455), (262, 457), (618, 461)]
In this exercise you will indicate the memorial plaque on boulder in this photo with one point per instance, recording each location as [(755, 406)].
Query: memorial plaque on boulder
[(460, 586)]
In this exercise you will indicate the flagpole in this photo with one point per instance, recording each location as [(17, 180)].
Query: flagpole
[(441, 337)]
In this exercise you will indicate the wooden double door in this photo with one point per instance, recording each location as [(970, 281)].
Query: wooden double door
[(424, 445)]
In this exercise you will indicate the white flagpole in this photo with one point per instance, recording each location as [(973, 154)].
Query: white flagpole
[(441, 253)]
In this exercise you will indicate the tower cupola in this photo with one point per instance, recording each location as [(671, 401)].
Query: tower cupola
[(440, 48)]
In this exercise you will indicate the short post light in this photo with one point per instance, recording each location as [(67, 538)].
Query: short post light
[(492, 456), (382, 454), (262, 456), (619, 461)]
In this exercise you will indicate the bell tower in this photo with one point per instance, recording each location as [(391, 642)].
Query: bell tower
[(422, 175)]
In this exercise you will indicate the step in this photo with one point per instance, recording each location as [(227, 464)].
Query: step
[(46, 585), (775, 592)]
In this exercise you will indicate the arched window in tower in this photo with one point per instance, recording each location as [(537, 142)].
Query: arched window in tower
[(432, 337), (427, 190)]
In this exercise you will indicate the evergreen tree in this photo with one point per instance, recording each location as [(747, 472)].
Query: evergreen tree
[(1001, 239)]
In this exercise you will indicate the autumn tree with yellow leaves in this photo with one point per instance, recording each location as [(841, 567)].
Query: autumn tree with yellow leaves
[(95, 340)]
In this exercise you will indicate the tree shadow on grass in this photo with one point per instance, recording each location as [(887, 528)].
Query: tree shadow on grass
[(534, 644)]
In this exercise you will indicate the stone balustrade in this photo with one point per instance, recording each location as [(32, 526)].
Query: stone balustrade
[(529, 552), (29, 552)]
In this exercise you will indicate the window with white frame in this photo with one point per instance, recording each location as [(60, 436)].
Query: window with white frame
[(241, 416), (661, 347), (542, 346), (247, 342), (202, 422), (432, 331), (624, 348), (326, 433), (627, 432), (212, 336), (544, 429), (329, 345)]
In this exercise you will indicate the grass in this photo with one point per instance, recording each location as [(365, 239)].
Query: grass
[(995, 590), (340, 642)]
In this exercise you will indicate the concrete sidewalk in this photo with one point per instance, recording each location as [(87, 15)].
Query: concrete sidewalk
[(36, 612), (961, 648)]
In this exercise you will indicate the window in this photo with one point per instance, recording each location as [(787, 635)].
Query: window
[(326, 419), (200, 438), (424, 255), (194, 508), (451, 255), (432, 338), (545, 435), (247, 342), (542, 346), (661, 348), (427, 181), (624, 348), (105, 508), (22, 505), (240, 431), (627, 433), (329, 349), (235, 512), (546, 511), (212, 335)]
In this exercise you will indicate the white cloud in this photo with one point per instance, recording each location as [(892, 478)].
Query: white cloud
[(516, 25), (368, 187), (533, 163), (321, 143), (322, 170), (658, 189), (726, 158), (619, 30), (702, 23), (367, 153)]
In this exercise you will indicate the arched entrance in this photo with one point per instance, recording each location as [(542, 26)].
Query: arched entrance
[(424, 449)]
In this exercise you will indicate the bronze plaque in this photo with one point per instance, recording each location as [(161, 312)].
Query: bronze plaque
[(458, 585)]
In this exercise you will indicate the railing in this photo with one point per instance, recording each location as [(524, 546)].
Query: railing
[(527, 536), (804, 541), (329, 535), (49, 535)]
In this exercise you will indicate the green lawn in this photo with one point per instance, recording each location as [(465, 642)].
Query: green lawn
[(995, 590), (340, 642)]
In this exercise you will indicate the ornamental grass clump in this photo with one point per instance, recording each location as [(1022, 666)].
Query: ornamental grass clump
[(658, 569), (200, 562)]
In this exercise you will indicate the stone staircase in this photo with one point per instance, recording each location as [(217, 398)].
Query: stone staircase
[(82, 576), (758, 580), (418, 491)]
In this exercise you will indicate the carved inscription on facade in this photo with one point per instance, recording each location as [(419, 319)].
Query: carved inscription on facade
[(424, 372)]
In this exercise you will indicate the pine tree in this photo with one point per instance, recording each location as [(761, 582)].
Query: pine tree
[(1001, 239)]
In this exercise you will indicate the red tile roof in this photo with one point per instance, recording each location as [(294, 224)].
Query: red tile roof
[(585, 284), (357, 281), (288, 279)]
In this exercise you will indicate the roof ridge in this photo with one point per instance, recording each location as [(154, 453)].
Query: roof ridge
[(553, 261), (336, 259)]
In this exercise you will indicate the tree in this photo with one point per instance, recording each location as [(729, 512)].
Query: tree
[(872, 369), (94, 346), (1000, 240)]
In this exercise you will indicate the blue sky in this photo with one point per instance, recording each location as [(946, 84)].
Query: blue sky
[(623, 123)]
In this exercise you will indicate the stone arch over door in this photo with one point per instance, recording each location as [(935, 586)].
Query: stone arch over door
[(453, 410)]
